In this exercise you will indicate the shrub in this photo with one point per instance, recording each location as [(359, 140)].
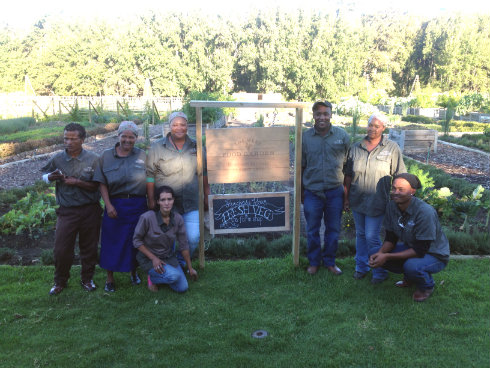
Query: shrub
[(418, 119), (209, 114), (466, 243), (6, 254), (47, 257), (479, 141), (9, 126)]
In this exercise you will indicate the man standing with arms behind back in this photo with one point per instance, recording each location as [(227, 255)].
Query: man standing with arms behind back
[(79, 212), (323, 155)]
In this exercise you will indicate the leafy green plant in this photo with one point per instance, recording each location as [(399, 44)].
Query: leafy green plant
[(75, 113), (260, 121), (446, 122), (356, 117), (36, 211)]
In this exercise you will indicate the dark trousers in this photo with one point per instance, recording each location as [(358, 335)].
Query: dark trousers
[(83, 221)]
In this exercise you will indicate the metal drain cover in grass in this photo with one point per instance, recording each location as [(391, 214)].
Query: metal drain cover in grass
[(260, 334)]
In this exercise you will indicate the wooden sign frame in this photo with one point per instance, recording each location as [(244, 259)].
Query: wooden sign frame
[(299, 106), (244, 208), (247, 154)]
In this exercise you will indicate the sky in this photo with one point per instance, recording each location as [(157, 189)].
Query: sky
[(24, 13)]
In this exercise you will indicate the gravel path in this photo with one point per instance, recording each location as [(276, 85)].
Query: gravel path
[(24, 169)]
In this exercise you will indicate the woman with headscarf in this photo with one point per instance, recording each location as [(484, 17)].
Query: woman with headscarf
[(122, 178), (172, 161), (423, 248), (370, 166)]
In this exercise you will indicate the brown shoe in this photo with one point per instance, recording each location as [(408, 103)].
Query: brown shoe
[(88, 285), (312, 270), (335, 270), (56, 289), (422, 295)]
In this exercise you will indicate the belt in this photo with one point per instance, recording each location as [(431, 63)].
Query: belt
[(126, 196)]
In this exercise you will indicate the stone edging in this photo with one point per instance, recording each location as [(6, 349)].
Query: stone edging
[(464, 148)]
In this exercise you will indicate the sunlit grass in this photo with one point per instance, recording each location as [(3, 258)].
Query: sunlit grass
[(312, 321)]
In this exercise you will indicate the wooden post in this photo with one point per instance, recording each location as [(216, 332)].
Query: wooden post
[(152, 112), (201, 184), (297, 185)]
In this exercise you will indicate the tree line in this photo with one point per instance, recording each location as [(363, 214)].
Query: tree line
[(304, 56)]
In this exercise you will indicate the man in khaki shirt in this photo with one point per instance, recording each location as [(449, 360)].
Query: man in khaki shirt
[(323, 155)]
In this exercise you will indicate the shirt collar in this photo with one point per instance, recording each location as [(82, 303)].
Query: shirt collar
[(382, 142), (114, 151), (160, 219), (330, 132), (67, 157)]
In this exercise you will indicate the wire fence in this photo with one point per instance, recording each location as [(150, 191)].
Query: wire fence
[(13, 106)]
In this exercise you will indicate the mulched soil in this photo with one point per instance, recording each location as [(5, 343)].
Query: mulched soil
[(459, 163)]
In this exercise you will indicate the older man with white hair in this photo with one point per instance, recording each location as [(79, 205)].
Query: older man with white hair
[(172, 161), (371, 164)]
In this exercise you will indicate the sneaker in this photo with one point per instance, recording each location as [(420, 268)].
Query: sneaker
[(359, 275), (56, 289), (110, 287), (89, 285), (135, 280)]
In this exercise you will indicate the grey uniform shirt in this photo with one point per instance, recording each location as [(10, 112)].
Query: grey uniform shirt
[(323, 159), (371, 174), (419, 222), (81, 167), (159, 239), (178, 169), (122, 174)]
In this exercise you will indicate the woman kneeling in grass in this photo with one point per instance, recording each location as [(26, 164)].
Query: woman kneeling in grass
[(154, 237)]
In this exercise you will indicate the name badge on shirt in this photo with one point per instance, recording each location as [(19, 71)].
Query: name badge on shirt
[(384, 153)]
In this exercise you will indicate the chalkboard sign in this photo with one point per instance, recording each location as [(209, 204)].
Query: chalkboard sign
[(249, 212)]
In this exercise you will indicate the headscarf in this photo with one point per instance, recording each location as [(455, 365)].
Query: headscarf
[(127, 125), (176, 114)]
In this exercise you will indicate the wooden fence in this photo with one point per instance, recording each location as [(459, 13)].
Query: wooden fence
[(12, 106)]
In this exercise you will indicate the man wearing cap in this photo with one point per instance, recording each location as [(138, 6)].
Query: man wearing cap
[(79, 212), (172, 161), (323, 154)]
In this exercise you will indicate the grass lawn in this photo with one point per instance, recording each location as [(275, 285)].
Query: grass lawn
[(312, 321)]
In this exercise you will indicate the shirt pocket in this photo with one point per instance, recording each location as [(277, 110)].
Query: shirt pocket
[(138, 172), (87, 173), (383, 163), (170, 166), (111, 173)]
